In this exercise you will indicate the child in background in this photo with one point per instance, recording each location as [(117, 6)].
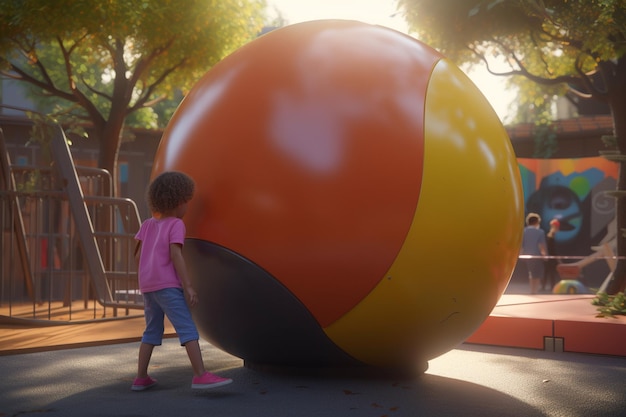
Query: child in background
[(534, 244), (163, 279)]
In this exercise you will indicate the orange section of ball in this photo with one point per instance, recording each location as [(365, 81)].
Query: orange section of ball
[(307, 146)]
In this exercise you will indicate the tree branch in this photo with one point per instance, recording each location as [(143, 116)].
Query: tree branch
[(153, 102), (142, 66), (93, 90), (26, 77), (143, 100), (144, 63), (582, 80), (78, 95)]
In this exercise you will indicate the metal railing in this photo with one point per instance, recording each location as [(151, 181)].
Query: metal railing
[(67, 245)]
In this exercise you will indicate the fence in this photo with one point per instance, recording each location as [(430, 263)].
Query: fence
[(67, 244)]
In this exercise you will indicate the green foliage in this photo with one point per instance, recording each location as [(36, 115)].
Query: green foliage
[(106, 62), (610, 305), (161, 45), (544, 138), (610, 141), (554, 44), (30, 183), (535, 104), (41, 133)]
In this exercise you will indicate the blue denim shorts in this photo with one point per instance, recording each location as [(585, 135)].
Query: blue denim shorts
[(168, 302)]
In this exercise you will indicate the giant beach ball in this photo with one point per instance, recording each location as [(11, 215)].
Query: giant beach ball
[(358, 201)]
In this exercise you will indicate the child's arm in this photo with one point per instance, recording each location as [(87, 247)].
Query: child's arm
[(138, 252), (176, 253)]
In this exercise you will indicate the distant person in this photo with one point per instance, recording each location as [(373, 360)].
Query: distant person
[(551, 276), (163, 279), (534, 245)]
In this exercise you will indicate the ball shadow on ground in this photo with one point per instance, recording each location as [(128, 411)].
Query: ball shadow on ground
[(262, 394)]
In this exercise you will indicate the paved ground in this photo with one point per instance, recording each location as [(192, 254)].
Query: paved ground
[(469, 381)]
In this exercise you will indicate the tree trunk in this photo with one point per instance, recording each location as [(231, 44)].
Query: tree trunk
[(617, 281), (110, 141), (110, 134)]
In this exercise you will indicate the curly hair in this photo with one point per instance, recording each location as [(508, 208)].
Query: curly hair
[(169, 190), (532, 219)]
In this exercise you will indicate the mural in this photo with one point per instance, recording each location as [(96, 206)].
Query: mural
[(574, 191)]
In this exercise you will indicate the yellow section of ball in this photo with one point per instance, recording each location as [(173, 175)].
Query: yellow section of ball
[(463, 244)]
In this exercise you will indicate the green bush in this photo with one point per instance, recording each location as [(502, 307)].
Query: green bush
[(610, 305)]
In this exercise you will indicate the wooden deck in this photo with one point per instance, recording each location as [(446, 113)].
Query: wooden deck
[(56, 312), (31, 328)]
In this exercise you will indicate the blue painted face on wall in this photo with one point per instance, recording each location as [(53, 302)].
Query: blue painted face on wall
[(574, 191), (558, 202)]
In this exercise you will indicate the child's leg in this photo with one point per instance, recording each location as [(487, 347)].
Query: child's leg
[(145, 353), (152, 335), (535, 273), (195, 357), (173, 302), (534, 285)]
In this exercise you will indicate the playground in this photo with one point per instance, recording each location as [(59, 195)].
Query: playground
[(331, 292), (535, 355)]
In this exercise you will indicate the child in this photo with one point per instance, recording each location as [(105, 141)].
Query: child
[(534, 244), (163, 279)]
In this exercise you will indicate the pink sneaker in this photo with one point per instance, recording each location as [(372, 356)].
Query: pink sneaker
[(140, 384), (208, 380)]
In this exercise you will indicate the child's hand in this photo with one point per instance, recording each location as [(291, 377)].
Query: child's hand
[(192, 296)]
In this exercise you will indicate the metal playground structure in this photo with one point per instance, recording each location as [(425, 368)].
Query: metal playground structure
[(67, 243)]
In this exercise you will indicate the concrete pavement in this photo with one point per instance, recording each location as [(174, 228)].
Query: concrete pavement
[(472, 380)]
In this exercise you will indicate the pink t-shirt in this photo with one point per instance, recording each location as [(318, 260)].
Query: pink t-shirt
[(156, 269)]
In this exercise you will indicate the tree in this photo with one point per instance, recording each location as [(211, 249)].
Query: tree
[(575, 46), (109, 59)]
